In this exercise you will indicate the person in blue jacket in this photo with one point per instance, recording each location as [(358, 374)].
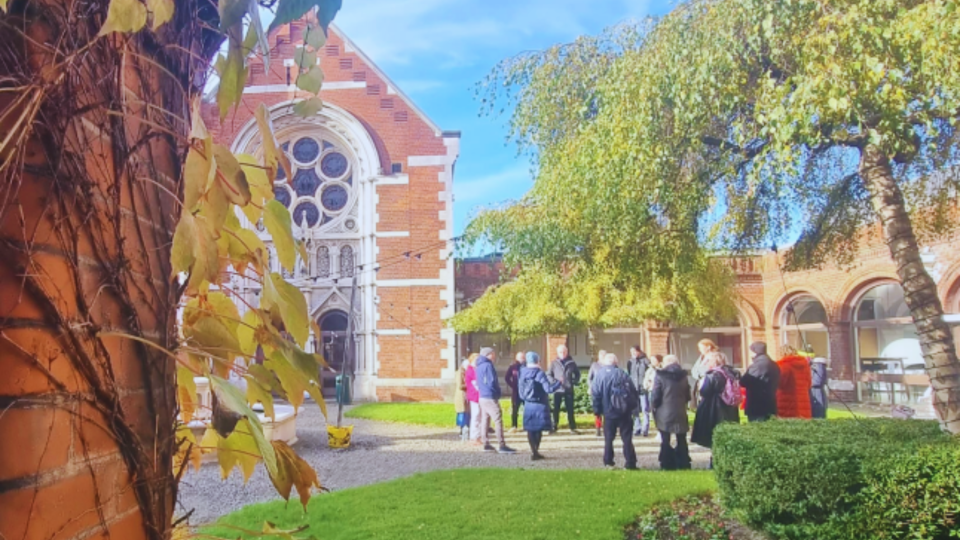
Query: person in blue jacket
[(534, 389), (488, 383)]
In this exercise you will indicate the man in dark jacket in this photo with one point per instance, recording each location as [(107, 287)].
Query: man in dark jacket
[(669, 398), (489, 388), (616, 399), (761, 381), (637, 367), (564, 370), (512, 378)]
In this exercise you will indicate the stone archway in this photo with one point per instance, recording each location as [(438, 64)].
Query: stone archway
[(332, 343)]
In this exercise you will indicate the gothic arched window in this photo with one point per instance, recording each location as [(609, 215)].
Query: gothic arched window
[(346, 261), (323, 262)]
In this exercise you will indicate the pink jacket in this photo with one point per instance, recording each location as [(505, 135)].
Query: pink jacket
[(471, 380)]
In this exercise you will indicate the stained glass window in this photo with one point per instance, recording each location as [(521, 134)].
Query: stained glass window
[(306, 182), (333, 165), (346, 261), (306, 150), (306, 210), (334, 198), (282, 194), (323, 262)]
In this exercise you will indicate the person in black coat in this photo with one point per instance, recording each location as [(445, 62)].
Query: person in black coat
[(669, 398), (637, 367), (534, 390), (819, 387), (617, 400), (712, 409), (512, 378), (761, 381)]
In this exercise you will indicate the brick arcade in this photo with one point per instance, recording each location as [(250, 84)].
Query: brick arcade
[(853, 316)]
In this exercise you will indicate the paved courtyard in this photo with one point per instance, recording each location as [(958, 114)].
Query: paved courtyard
[(384, 451)]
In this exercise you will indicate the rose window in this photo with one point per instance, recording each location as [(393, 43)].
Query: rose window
[(322, 184)]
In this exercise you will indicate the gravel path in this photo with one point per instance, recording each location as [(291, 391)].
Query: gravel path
[(383, 451)]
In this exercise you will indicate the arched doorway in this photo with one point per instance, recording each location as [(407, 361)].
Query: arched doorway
[(728, 336), (333, 342), (889, 360), (803, 322)]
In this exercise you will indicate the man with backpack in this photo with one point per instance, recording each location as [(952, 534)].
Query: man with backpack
[(617, 400), (564, 370)]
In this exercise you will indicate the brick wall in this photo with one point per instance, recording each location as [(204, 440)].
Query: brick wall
[(98, 230)]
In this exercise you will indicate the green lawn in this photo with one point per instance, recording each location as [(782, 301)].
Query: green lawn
[(481, 504), (442, 415), (437, 414)]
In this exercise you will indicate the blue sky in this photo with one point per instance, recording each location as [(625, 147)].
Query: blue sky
[(436, 50)]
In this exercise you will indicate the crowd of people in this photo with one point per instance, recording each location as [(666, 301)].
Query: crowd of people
[(625, 399)]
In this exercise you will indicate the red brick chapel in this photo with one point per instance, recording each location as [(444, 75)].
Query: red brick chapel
[(372, 198)]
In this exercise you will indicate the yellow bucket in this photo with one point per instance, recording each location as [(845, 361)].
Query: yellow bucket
[(339, 437)]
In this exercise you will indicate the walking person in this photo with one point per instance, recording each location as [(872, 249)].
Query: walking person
[(719, 399), (669, 398), (488, 385), (617, 400), (565, 371), (637, 367), (761, 382), (535, 390), (512, 377), (460, 403), (705, 346), (819, 386), (591, 375), (793, 393), (473, 398)]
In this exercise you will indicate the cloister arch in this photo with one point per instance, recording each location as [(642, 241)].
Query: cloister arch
[(801, 319)]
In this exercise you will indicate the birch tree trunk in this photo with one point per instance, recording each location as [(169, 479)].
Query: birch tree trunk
[(919, 289)]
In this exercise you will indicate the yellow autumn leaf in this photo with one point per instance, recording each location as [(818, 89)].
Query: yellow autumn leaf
[(196, 177), (293, 471), (124, 16), (238, 450), (273, 156), (162, 12), (261, 187), (247, 332), (256, 393), (231, 175), (186, 394), (277, 220), (187, 448), (280, 297)]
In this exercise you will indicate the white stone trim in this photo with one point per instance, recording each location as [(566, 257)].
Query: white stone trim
[(410, 282), (428, 161), (393, 234), (447, 274), (393, 332), (397, 180), (281, 88)]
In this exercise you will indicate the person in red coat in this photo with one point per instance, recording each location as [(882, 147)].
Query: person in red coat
[(793, 394)]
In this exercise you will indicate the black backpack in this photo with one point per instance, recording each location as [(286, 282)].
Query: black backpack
[(624, 398)]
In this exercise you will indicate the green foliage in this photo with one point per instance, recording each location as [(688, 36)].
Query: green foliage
[(582, 401), (507, 504), (830, 479), (727, 124)]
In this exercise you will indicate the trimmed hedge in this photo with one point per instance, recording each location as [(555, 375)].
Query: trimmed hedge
[(841, 479)]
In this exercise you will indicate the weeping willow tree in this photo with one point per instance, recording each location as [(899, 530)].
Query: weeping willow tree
[(732, 124)]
